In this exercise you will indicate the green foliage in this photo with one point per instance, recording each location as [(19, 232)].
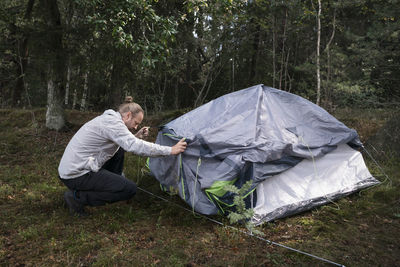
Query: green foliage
[(180, 54), (132, 25), (354, 95), (241, 213)]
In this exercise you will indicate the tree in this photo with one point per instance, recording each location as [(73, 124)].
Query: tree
[(55, 118), (318, 51), (183, 53), (23, 54)]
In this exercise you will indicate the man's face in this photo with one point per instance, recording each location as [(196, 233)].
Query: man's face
[(132, 122)]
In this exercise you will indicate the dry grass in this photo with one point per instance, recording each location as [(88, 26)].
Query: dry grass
[(362, 229)]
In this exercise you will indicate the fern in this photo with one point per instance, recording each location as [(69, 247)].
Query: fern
[(241, 214)]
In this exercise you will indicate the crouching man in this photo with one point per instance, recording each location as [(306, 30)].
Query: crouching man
[(92, 163)]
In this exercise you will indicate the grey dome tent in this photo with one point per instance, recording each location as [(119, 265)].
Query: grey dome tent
[(295, 153)]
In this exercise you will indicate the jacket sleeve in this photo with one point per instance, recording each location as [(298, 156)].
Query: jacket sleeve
[(118, 133)]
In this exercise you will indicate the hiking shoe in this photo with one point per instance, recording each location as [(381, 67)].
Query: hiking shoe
[(75, 208)]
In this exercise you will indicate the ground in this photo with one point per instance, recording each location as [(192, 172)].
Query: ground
[(359, 230)]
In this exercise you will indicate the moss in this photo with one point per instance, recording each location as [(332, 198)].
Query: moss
[(306, 221)]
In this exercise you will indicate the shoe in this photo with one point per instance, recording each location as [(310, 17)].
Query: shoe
[(75, 208)]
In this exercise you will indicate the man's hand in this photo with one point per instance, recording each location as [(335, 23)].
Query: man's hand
[(179, 147), (144, 132)]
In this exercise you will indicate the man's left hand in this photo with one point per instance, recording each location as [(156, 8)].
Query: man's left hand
[(144, 132)]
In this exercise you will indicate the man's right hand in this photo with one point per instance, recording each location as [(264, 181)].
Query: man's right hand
[(179, 147)]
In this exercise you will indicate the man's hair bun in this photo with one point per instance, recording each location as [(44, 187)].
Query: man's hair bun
[(130, 106), (128, 99)]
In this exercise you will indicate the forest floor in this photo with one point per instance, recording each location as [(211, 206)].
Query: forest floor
[(362, 229)]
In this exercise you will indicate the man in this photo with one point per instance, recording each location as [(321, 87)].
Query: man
[(92, 164)]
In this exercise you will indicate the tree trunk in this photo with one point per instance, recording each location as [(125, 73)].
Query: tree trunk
[(318, 56), (74, 98), (233, 74), (254, 57), (286, 69), (160, 97), (75, 94), (21, 70), (55, 118), (328, 89), (85, 91), (67, 84), (201, 94), (273, 51), (115, 83), (176, 96), (23, 54), (283, 49)]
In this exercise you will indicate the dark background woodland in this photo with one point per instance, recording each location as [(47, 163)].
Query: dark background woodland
[(176, 54)]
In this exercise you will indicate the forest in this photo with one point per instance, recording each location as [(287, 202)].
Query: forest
[(88, 55), (63, 62)]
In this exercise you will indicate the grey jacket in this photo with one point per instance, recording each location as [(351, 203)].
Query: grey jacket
[(98, 140)]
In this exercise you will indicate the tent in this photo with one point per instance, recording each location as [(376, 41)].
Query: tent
[(295, 153)]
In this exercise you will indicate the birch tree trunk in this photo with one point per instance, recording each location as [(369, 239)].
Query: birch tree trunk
[(55, 117), (67, 84), (85, 91), (233, 74), (74, 98), (318, 56)]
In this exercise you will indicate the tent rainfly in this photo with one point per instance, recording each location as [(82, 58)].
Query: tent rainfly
[(295, 153)]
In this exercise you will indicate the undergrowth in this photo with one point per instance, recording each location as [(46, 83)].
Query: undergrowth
[(361, 229)]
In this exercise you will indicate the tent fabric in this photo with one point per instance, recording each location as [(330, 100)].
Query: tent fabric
[(252, 134), (332, 176)]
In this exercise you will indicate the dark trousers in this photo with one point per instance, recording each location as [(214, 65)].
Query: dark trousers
[(105, 186)]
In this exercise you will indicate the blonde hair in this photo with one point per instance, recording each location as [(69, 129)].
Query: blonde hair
[(129, 106)]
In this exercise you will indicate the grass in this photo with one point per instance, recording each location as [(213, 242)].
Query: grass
[(36, 230)]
